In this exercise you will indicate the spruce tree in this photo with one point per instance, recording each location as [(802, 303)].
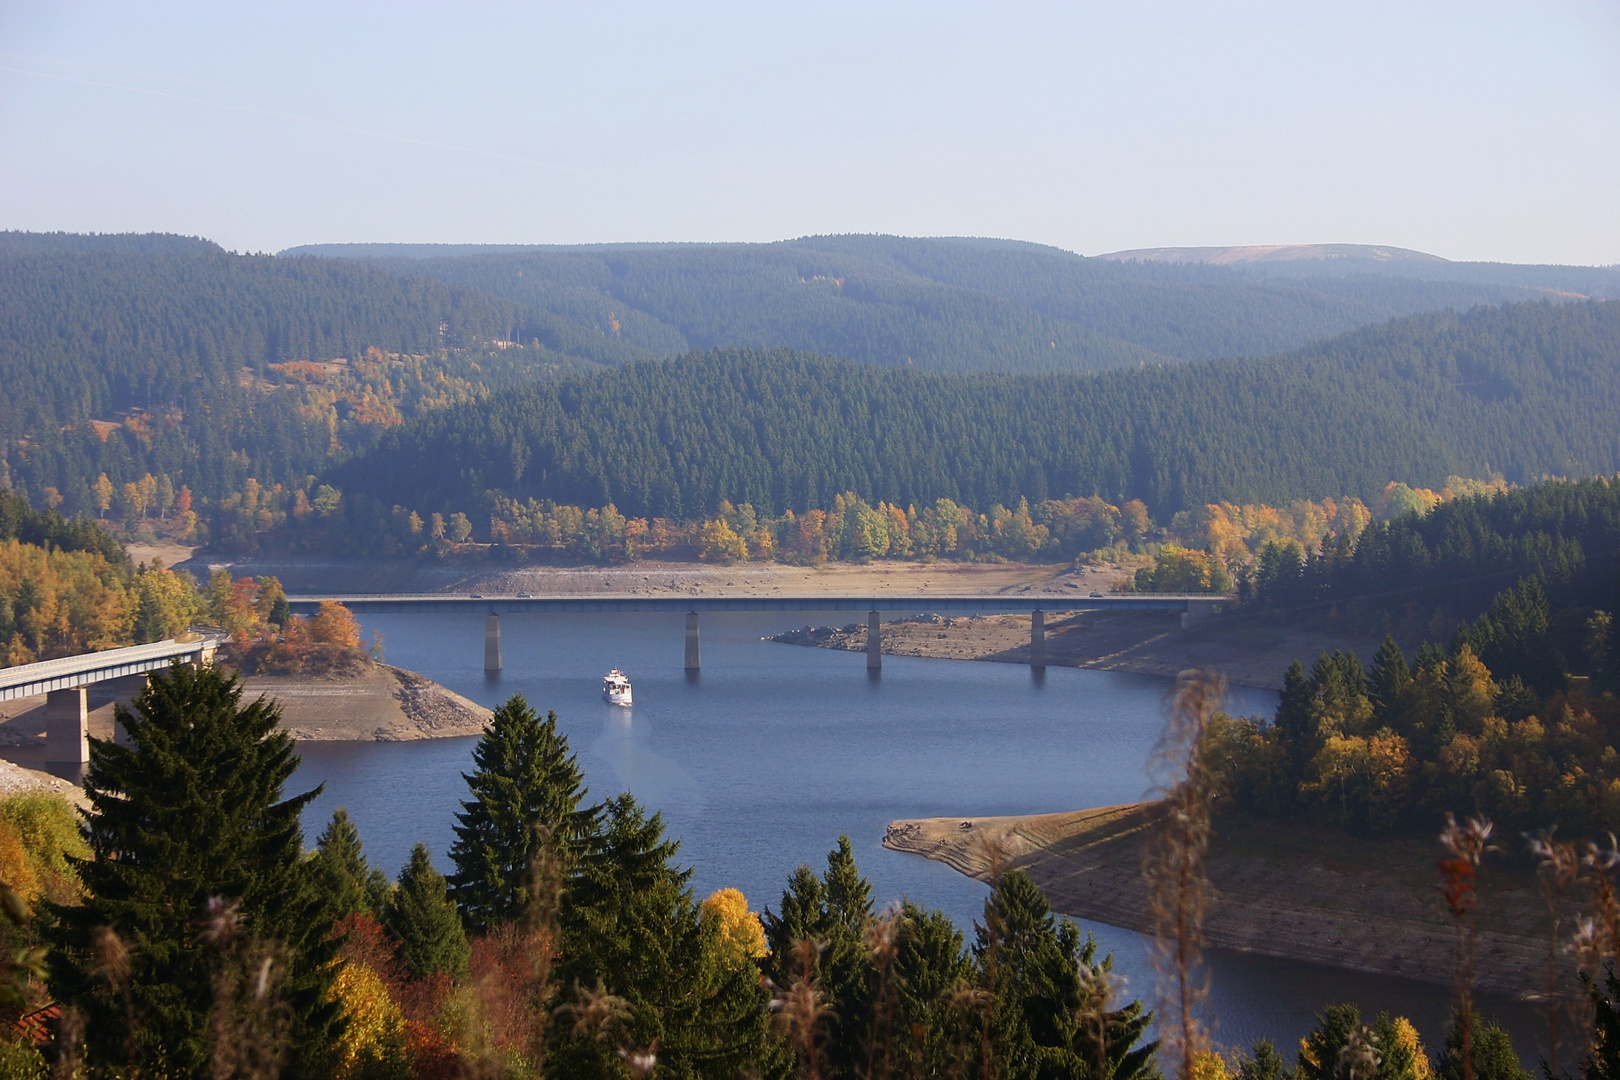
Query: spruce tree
[(932, 961), (525, 785), (424, 920), (833, 910), (1390, 677), (345, 877), (1293, 717), (1264, 1063), (1491, 1051), (187, 818), (1040, 1026), (633, 929)]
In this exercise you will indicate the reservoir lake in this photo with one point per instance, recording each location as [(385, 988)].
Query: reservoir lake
[(764, 759), (760, 762)]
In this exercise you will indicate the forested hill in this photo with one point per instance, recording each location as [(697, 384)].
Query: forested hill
[(1528, 390), (127, 355), (949, 304), (13, 241)]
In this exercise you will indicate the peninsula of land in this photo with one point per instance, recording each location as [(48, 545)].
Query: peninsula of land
[(375, 703), (1290, 890)]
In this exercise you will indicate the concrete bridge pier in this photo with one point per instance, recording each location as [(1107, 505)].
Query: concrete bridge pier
[(874, 641), (492, 644), (1037, 638), (1196, 613), (125, 690), (694, 660), (66, 728)]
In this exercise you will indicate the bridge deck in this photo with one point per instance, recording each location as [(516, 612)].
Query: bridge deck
[(437, 602), (29, 680)]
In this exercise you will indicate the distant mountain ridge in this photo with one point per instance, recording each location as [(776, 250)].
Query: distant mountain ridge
[(1314, 261), (1230, 256), (941, 304)]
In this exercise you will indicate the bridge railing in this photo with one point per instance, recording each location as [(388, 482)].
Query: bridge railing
[(67, 672)]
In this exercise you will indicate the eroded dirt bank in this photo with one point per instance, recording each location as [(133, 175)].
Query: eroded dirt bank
[(1286, 890)]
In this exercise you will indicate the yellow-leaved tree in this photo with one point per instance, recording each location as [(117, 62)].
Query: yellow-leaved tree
[(742, 937), (373, 1043), (718, 542)]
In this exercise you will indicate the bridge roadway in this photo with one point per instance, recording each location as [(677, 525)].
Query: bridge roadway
[(514, 603), (71, 672), (63, 683)]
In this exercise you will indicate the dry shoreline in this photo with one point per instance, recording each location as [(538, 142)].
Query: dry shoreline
[(1141, 642), (1287, 890), (658, 577), (379, 704)]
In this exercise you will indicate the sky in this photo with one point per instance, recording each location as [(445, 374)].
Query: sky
[(1472, 130)]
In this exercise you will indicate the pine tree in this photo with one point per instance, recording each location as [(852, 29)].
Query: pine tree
[(525, 785), (633, 930), (1041, 1027), (424, 920), (833, 910), (191, 814), (1294, 713), (347, 879), (1390, 676)]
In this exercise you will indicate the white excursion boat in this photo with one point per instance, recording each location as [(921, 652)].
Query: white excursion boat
[(616, 688)]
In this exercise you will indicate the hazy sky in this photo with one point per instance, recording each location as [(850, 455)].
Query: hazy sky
[(1471, 130)]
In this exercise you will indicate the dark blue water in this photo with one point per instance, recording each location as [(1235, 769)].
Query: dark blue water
[(762, 761)]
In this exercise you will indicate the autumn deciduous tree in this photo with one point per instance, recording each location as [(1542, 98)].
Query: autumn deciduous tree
[(335, 624), (1178, 570), (741, 933), (718, 543), (372, 1045), (57, 603), (165, 604)]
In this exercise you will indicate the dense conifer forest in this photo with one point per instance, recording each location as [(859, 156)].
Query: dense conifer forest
[(937, 304), (160, 376), (1527, 390), (133, 355)]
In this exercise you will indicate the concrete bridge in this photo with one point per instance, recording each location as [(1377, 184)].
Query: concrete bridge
[(63, 683), (1192, 609)]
